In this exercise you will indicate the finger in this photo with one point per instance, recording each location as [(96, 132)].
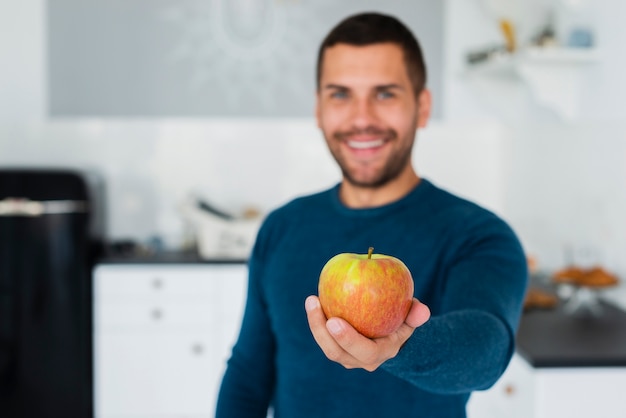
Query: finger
[(369, 351), (418, 315), (315, 315), (358, 346), (326, 341)]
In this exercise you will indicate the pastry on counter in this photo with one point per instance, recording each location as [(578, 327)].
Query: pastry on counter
[(598, 277), (571, 274), (539, 299), (591, 277)]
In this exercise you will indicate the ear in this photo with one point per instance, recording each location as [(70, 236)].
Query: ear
[(424, 105)]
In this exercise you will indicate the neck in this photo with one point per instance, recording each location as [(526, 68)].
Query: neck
[(359, 197)]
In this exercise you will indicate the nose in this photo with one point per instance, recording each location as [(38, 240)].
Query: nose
[(364, 113)]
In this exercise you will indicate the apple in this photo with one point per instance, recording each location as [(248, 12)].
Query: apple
[(373, 292)]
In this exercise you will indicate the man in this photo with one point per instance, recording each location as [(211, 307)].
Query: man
[(468, 267)]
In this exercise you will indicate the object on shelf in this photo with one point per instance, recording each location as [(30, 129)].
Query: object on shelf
[(580, 38), (487, 54), (546, 38), (508, 31), (220, 235), (207, 207)]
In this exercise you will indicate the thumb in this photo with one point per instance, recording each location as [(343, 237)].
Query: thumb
[(418, 315)]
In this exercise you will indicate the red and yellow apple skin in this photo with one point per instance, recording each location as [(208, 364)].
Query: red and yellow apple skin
[(373, 292)]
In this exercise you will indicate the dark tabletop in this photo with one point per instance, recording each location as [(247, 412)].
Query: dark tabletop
[(556, 338), (163, 257)]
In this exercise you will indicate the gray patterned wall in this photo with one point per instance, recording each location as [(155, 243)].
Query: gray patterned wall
[(199, 58)]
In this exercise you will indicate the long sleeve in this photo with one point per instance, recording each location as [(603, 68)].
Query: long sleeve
[(467, 345)]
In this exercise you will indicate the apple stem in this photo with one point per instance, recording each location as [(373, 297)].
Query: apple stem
[(370, 250)]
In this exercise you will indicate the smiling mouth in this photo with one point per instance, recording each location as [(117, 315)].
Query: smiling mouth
[(375, 143)]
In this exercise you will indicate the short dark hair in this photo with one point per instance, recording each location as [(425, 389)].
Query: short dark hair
[(373, 28)]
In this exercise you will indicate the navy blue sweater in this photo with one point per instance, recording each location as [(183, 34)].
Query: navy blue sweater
[(467, 265)]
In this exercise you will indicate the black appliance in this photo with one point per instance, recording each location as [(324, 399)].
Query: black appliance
[(47, 250)]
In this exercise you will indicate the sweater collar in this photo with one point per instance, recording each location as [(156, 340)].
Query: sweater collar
[(414, 196)]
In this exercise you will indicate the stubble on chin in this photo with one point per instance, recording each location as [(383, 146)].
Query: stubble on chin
[(390, 171)]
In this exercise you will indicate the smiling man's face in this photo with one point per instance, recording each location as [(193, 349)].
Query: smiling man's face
[(368, 112)]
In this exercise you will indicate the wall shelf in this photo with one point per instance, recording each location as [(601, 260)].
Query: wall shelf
[(554, 75)]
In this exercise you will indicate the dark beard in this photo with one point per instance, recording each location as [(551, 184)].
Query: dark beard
[(392, 169)]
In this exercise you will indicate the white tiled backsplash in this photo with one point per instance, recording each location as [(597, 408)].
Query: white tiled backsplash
[(149, 167), (560, 186)]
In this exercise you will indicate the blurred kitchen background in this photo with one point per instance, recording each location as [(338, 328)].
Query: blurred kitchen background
[(158, 101), (551, 162)]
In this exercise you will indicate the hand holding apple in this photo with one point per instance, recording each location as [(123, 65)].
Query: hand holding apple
[(372, 292), (342, 344)]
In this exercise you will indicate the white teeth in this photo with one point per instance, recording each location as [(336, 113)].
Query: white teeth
[(366, 144)]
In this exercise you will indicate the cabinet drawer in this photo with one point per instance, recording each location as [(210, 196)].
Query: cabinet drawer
[(155, 316), (115, 282), (157, 375)]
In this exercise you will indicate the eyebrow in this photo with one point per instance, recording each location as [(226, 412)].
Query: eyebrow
[(390, 86), (334, 87)]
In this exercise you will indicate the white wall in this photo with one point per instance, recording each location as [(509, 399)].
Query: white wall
[(565, 181), (568, 190), (22, 61), (150, 165), (558, 182)]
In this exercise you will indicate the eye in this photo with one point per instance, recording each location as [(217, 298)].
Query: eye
[(384, 94), (339, 94)]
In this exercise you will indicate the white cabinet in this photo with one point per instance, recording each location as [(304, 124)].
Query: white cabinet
[(552, 392), (511, 396), (162, 335)]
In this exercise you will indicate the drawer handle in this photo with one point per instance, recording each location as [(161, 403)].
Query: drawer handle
[(157, 283), (509, 390), (157, 314), (197, 349)]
